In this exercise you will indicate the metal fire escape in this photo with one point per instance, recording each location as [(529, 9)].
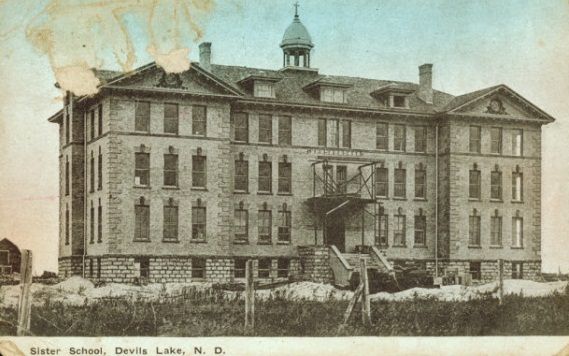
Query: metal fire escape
[(339, 199)]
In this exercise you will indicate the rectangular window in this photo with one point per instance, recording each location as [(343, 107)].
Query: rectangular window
[(517, 232), (285, 177), (285, 130), (346, 133), (399, 230), (496, 185), (474, 142), (420, 184), (98, 267), (199, 120), (92, 224), (332, 95), (100, 116), (266, 129), (474, 184), (241, 176), (241, 225), (381, 136), (341, 179), (399, 101), (322, 132), (517, 186), (171, 118), (67, 119), (170, 170), (381, 182), (420, 139), (199, 170), (496, 231), (66, 225), (332, 129), (283, 266), (264, 90), (92, 174), (284, 226), (198, 267), (474, 230), (92, 124), (143, 266), (141, 223), (99, 223), (382, 229), (496, 140), (241, 127), (400, 183), (4, 258), (517, 270), (517, 142), (420, 230), (265, 177), (142, 169), (264, 268), (142, 116), (67, 172), (100, 171), (399, 138), (264, 220), (199, 221), (170, 231), (240, 265), (476, 271)]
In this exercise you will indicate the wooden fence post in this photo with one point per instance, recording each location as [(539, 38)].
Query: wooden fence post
[(500, 280), (366, 309), (25, 303), (249, 296)]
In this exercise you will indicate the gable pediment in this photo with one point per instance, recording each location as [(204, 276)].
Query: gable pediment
[(193, 81), (498, 102)]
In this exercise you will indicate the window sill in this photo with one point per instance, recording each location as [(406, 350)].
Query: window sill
[(264, 193), (201, 189), (141, 241), (399, 246), (237, 141), (265, 143), (419, 246), (496, 200), (400, 199), (197, 241), (142, 186), (474, 199), (171, 133), (283, 242), (496, 246), (240, 242), (240, 192), (420, 199), (383, 198), (170, 187), (99, 241), (171, 241), (284, 194), (517, 201), (475, 246), (268, 243), (516, 247), (91, 242)]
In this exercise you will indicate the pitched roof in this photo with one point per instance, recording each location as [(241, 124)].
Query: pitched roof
[(465, 98)]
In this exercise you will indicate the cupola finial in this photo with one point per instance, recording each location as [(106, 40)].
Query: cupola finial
[(296, 5)]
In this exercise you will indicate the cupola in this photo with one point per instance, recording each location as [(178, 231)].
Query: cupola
[(296, 44)]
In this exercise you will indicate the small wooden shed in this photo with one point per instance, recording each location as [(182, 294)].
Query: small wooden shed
[(9, 257)]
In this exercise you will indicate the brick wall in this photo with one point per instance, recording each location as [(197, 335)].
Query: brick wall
[(315, 264)]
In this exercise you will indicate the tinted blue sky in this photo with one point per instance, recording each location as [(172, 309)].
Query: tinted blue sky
[(473, 44)]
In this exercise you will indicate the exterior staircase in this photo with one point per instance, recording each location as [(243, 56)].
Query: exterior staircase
[(345, 264)]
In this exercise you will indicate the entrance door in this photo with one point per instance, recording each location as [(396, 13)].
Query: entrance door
[(335, 233)]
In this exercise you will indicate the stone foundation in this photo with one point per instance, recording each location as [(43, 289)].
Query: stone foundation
[(315, 264), (488, 269), (170, 269)]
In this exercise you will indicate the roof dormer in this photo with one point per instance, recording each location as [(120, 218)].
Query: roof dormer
[(393, 95), (329, 91), (260, 86)]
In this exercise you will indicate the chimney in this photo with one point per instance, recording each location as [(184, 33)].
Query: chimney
[(425, 92), (205, 55)]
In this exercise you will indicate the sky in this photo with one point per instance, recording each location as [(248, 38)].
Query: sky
[(472, 44)]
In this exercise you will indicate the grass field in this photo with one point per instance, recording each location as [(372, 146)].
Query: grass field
[(211, 314)]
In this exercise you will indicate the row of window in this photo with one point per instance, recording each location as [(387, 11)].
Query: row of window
[(475, 269), (93, 118), (98, 219), (475, 184), (199, 223), (400, 230), (171, 119), (496, 140), (198, 267), (400, 182), (496, 224), (199, 173)]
